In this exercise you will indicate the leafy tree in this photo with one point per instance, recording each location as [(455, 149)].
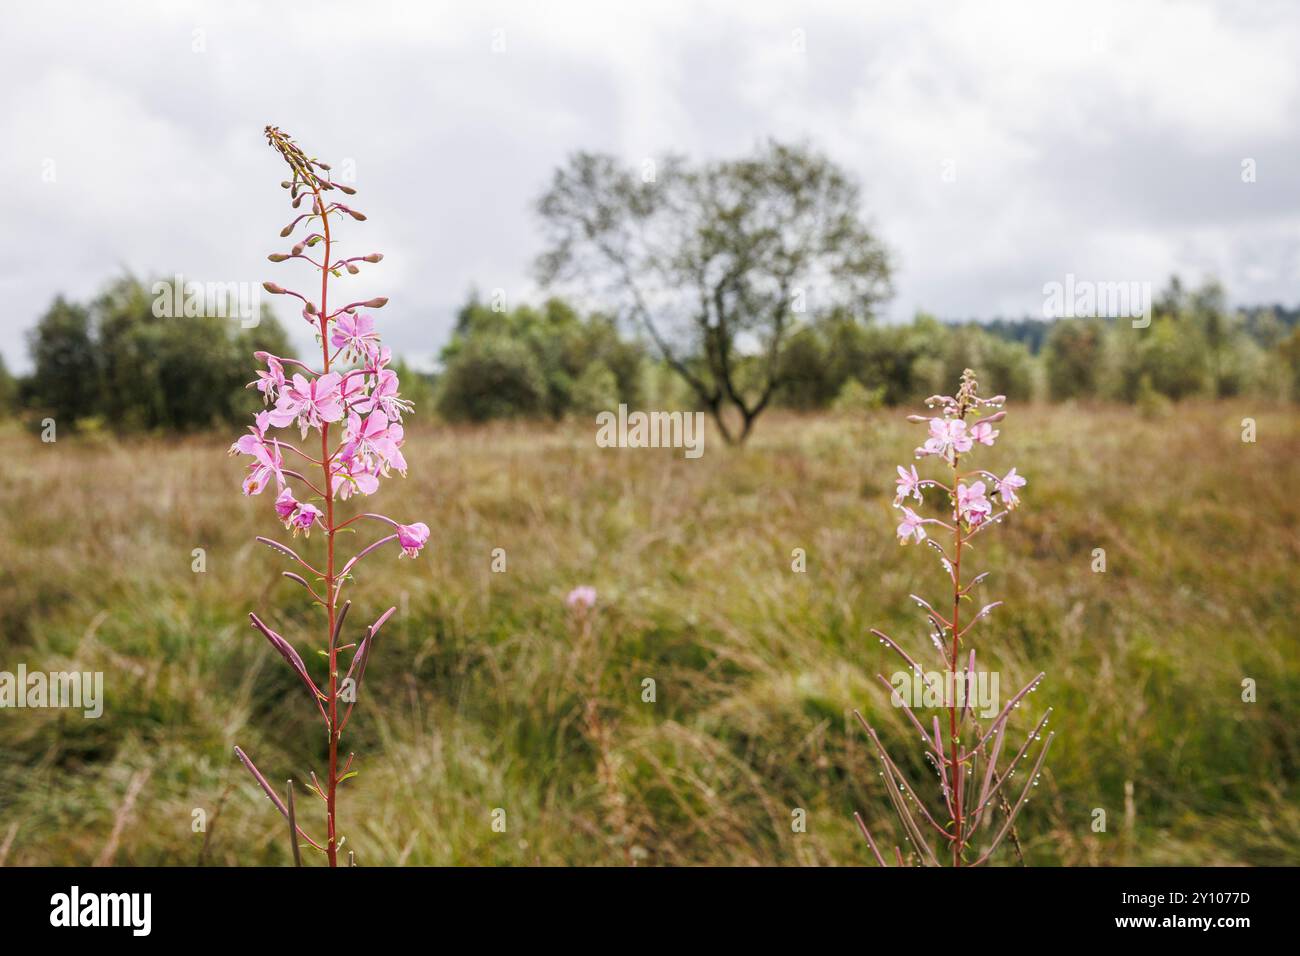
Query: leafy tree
[(1002, 366), (562, 348), (65, 378), (716, 260), (1073, 357), (8, 389), (117, 360), (492, 376), (596, 389)]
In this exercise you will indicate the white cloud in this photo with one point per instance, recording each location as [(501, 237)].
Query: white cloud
[(1103, 139)]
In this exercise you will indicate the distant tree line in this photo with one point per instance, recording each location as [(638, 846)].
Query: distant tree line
[(110, 362), (550, 361), (1194, 346)]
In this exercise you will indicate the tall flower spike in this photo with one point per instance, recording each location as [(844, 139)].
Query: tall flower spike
[(352, 457), (957, 756)]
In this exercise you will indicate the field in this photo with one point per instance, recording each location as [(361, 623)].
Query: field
[(484, 695)]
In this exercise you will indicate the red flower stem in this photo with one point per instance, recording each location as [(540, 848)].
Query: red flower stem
[(955, 781), (331, 597)]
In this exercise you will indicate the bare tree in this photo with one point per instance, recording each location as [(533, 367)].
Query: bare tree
[(717, 261)]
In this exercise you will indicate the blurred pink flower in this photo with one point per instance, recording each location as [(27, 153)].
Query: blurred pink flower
[(582, 597)]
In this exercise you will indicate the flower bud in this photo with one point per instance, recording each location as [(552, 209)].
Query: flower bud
[(273, 288), (373, 257), (376, 303), (348, 190), (359, 217), (284, 233), (297, 250), (277, 257)]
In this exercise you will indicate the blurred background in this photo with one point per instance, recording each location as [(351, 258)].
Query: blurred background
[(799, 219)]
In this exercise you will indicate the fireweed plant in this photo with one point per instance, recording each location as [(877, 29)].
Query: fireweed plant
[(963, 754), (352, 405)]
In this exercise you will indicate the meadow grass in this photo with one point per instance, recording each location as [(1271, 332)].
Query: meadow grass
[(476, 695)]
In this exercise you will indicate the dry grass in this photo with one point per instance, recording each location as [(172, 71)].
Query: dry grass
[(475, 698)]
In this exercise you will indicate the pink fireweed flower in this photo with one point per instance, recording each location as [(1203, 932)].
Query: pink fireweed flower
[(311, 403), (984, 433), (583, 597), (383, 396), (1007, 488), (296, 515), (267, 462), (378, 358), (271, 381), (303, 519), (947, 436), (285, 506), (909, 483), (962, 743), (355, 474), (352, 389), (375, 439), (352, 458), (972, 505), (355, 334), (911, 527), (412, 538)]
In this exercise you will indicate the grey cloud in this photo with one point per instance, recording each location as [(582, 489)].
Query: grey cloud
[(1112, 158)]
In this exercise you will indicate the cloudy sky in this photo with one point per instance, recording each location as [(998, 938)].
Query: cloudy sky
[(1000, 146)]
